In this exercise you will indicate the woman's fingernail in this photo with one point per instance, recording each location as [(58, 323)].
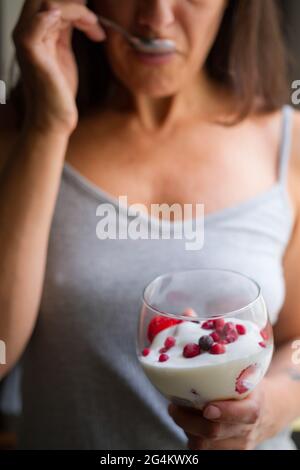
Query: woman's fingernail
[(212, 412)]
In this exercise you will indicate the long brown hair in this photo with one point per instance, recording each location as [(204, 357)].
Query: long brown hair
[(249, 57)]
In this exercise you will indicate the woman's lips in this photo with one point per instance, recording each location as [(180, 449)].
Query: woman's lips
[(154, 59)]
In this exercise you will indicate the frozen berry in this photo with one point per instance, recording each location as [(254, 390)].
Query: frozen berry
[(219, 323), (191, 350), (159, 323), (228, 327), (163, 357), (208, 325), (241, 329), (206, 342), (217, 348), (215, 336), (146, 351), (231, 336), (262, 344), (170, 342)]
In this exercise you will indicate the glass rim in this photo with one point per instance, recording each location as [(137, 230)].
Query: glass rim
[(200, 318)]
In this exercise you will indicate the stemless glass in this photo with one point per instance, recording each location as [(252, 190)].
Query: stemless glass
[(204, 335)]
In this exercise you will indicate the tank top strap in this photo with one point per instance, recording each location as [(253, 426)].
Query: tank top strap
[(286, 142)]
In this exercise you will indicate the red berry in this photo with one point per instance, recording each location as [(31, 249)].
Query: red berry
[(159, 323), (240, 383), (223, 341), (208, 325), (191, 350), (241, 329), (262, 344), (163, 357), (217, 348), (231, 336), (219, 323), (146, 351), (163, 350), (215, 336), (228, 327), (170, 342)]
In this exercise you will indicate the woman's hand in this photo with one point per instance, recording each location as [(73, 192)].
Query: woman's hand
[(231, 424), (43, 42)]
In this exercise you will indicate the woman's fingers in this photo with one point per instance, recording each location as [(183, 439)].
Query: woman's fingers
[(34, 24), (233, 411), (195, 425), (79, 16)]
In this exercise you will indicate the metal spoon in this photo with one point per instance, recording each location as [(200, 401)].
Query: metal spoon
[(149, 46)]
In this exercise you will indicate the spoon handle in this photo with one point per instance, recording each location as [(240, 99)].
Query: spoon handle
[(115, 26)]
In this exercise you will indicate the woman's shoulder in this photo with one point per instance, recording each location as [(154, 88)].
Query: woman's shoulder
[(293, 173)]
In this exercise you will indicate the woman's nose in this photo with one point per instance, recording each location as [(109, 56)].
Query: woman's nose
[(156, 15)]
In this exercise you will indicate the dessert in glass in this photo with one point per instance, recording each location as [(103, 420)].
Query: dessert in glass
[(204, 335)]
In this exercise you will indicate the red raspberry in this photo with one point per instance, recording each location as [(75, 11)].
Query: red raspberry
[(217, 348), (163, 357), (191, 350), (228, 327), (145, 352), (219, 323), (241, 329), (215, 336), (159, 323), (170, 342), (208, 325)]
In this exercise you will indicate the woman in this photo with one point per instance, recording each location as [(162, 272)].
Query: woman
[(205, 124)]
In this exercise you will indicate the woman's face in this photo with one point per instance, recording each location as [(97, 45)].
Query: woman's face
[(192, 24)]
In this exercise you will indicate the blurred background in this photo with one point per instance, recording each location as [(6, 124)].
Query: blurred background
[(9, 11)]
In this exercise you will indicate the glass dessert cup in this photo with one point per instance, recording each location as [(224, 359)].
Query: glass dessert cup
[(204, 335)]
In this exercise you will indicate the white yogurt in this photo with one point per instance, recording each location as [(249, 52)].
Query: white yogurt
[(206, 377)]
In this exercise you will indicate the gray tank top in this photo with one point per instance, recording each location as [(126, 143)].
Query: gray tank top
[(82, 386)]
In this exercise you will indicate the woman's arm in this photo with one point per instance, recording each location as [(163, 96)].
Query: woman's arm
[(275, 403), (30, 178)]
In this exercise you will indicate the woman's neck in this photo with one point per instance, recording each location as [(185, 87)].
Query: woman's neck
[(200, 98)]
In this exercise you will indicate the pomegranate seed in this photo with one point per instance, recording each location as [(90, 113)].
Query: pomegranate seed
[(208, 325), (170, 342), (217, 348), (215, 336), (146, 351), (163, 357), (191, 350), (241, 329), (262, 344), (219, 323)]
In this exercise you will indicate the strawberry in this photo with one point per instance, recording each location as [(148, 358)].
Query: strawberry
[(159, 323), (240, 383)]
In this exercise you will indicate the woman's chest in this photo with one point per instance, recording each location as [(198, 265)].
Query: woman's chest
[(215, 168)]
